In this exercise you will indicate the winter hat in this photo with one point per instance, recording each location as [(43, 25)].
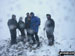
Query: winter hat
[(48, 15), (32, 13)]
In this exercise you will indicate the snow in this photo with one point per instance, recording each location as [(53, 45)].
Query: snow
[(22, 49), (63, 13)]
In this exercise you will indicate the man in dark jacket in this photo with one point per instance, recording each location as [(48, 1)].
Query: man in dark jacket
[(27, 25), (12, 24), (21, 27), (49, 27), (34, 25)]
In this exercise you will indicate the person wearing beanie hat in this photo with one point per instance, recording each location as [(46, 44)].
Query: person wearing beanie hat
[(12, 24), (49, 27)]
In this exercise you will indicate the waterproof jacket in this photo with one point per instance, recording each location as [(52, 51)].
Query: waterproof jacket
[(27, 23), (12, 24), (21, 25), (49, 26), (35, 22)]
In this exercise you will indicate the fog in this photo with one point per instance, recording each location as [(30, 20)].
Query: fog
[(62, 11)]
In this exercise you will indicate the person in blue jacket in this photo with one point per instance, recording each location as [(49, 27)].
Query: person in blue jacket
[(34, 25)]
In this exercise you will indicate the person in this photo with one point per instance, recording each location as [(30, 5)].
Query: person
[(21, 27), (27, 25), (12, 24), (34, 25), (49, 27)]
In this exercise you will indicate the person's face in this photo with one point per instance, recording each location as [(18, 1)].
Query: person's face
[(31, 15), (48, 17), (27, 14), (20, 19), (13, 17)]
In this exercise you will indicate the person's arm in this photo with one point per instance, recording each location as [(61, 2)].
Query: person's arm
[(45, 26), (38, 21), (16, 24), (8, 23), (25, 22), (53, 23)]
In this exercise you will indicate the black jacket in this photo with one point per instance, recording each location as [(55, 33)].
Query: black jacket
[(27, 23), (52, 23), (12, 22), (49, 26), (21, 25)]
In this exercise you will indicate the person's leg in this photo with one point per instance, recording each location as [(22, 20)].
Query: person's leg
[(22, 35), (22, 32), (28, 37), (13, 37), (32, 36), (51, 40), (52, 36), (36, 37), (48, 36)]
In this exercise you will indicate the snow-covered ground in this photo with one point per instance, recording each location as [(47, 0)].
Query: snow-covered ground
[(63, 13)]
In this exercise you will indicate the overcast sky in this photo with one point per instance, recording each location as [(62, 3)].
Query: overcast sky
[(62, 11)]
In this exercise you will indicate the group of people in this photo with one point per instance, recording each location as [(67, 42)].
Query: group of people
[(31, 25)]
